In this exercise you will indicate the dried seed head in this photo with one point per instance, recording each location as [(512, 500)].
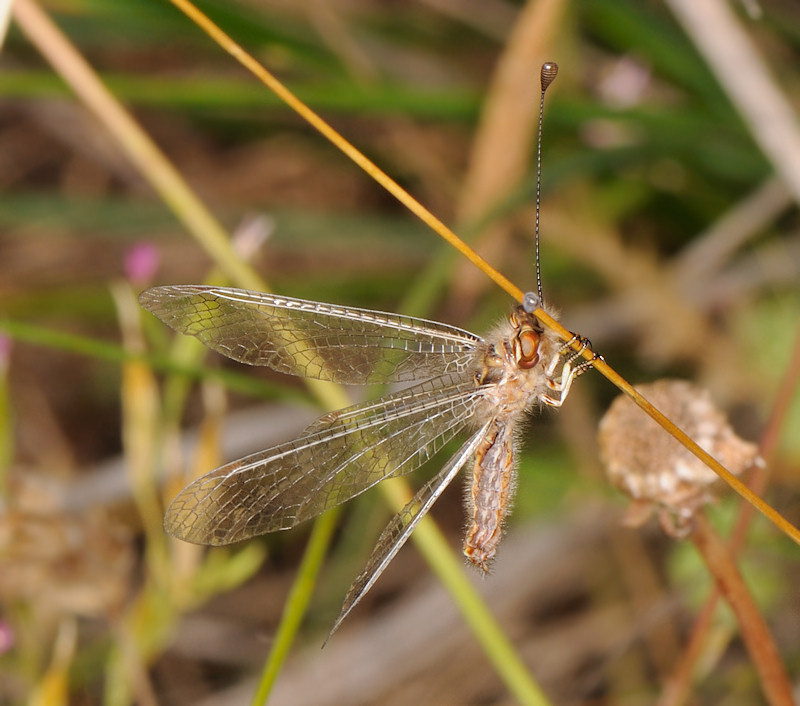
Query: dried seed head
[(651, 467)]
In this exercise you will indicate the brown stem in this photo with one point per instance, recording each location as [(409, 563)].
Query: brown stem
[(754, 631)]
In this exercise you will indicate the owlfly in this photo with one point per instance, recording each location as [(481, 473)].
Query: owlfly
[(461, 382), (458, 382)]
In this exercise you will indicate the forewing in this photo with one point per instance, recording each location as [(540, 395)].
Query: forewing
[(403, 523), (335, 459), (312, 339)]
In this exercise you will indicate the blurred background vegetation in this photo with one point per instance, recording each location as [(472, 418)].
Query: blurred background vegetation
[(670, 239)]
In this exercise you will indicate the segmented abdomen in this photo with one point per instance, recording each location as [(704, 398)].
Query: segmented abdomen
[(493, 483)]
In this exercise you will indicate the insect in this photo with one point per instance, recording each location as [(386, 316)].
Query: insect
[(459, 381)]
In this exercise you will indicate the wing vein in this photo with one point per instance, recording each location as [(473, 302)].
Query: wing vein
[(340, 458)]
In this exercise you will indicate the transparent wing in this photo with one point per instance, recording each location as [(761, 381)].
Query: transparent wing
[(336, 458), (403, 524), (311, 339)]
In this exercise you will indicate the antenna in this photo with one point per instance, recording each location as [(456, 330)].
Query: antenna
[(548, 75)]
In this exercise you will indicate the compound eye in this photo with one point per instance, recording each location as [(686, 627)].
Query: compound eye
[(527, 349)]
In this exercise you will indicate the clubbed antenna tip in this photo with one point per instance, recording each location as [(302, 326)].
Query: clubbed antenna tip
[(549, 73)]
